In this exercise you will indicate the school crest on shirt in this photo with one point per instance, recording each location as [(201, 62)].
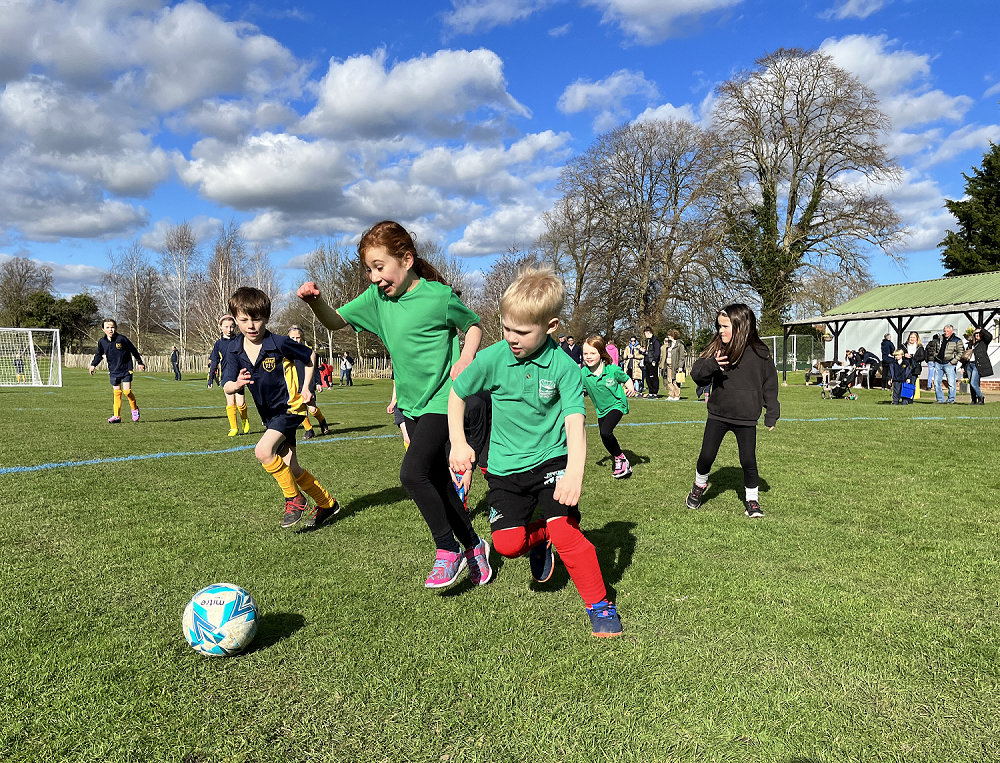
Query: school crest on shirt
[(610, 383), (268, 364), (118, 345), (546, 389)]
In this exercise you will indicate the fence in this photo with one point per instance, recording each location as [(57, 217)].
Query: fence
[(802, 349), (364, 368)]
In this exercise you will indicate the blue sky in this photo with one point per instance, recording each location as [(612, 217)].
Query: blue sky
[(305, 121)]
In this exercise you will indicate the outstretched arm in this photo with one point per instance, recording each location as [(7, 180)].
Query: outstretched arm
[(309, 293)]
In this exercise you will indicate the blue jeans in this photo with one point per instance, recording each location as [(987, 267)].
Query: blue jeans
[(974, 381), (942, 370)]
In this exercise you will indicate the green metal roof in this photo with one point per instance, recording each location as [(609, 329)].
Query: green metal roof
[(958, 291), (942, 296)]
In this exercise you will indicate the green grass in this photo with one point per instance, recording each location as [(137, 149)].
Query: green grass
[(857, 621)]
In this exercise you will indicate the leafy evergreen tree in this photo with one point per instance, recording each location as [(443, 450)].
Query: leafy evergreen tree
[(975, 248)]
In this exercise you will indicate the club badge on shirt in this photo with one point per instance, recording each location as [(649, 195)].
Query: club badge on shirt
[(268, 364)]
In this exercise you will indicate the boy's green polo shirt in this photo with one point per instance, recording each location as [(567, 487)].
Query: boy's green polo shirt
[(606, 391), (420, 330), (531, 400)]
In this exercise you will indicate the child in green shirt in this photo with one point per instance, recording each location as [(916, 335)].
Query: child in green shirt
[(538, 444), (417, 316), (608, 387)]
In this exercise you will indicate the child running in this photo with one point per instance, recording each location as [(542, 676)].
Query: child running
[(266, 363), (744, 380), (538, 444), (417, 316), (236, 405), (604, 382), (295, 334), (119, 351)]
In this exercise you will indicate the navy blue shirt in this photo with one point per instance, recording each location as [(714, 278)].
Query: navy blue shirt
[(276, 387), (119, 351), (220, 355)]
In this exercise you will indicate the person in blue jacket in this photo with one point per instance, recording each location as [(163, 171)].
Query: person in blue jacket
[(119, 352)]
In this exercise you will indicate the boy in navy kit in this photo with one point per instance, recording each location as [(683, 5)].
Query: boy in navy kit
[(266, 363), (236, 405), (538, 444), (119, 351)]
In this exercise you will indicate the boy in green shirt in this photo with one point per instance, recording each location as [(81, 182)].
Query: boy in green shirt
[(538, 443)]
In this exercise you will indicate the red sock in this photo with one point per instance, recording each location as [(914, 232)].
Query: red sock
[(580, 558), (515, 541)]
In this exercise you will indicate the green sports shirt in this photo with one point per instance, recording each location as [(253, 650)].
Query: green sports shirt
[(606, 391), (420, 330), (531, 400)]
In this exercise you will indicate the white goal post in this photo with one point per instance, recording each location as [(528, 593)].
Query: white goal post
[(30, 358)]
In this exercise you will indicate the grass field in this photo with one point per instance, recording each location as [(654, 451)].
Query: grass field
[(856, 622)]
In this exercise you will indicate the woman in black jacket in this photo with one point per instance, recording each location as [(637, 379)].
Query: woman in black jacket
[(980, 364), (744, 381)]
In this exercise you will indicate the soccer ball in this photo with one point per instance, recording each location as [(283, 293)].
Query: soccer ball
[(220, 620)]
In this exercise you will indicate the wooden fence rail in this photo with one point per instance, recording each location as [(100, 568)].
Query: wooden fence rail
[(364, 368)]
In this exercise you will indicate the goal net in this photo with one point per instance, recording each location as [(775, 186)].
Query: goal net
[(30, 358)]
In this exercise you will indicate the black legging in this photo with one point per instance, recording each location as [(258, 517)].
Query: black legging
[(426, 478), (746, 439), (607, 424), (652, 379)]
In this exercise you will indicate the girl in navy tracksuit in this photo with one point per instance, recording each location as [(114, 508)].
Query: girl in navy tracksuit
[(744, 381)]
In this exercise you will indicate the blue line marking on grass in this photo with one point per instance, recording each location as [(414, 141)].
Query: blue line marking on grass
[(145, 457)]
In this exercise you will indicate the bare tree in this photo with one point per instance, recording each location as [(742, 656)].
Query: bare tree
[(259, 273), (179, 262), (20, 277), (803, 146), (220, 279), (451, 268), (134, 287), (820, 290), (486, 301)]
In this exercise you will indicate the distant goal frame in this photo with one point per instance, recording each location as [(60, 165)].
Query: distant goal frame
[(30, 357)]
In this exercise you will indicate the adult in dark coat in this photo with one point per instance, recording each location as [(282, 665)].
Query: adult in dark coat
[(175, 362), (650, 362), (574, 350), (887, 348), (980, 364)]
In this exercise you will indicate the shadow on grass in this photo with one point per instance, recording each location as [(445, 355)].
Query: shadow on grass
[(275, 627), (195, 418), (800, 759), (479, 508), (729, 478), (381, 498), (633, 458), (367, 428), (615, 545)]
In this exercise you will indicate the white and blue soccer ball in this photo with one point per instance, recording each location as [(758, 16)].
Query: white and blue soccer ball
[(220, 620)]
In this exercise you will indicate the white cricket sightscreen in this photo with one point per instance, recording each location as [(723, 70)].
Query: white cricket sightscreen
[(30, 358)]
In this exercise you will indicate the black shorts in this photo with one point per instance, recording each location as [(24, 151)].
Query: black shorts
[(513, 497), (118, 379), (286, 423)]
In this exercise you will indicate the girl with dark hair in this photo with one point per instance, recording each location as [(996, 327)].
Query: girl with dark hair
[(604, 382), (744, 380), (418, 316)]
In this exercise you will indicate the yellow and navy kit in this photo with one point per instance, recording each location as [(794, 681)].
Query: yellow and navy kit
[(300, 369), (220, 356), (119, 351), (276, 387)]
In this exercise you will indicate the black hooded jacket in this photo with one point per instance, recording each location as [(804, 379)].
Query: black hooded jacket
[(740, 392)]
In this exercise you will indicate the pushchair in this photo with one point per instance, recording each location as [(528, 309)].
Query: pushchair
[(839, 385)]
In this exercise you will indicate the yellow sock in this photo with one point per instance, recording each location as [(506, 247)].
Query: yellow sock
[(243, 412), (283, 474), (315, 490), (320, 417), (307, 425), (131, 399), (231, 411), (118, 403)]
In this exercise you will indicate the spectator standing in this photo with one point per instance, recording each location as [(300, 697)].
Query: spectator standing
[(979, 364), (930, 352), (346, 366), (574, 350), (175, 358), (612, 352), (914, 352), (888, 349), (650, 363), (672, 362), (633, 362), (947, 360)]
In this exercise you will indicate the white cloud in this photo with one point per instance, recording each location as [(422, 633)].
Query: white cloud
[(871, 62), (559, 31), (964, 139), (205, 229), (67, 278), (853, 9), (668, 111), (518, 224), (992, 91), (649, 22), (472, 16), (362, 97), (606, 96)]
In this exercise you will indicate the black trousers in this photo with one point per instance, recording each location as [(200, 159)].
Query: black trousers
[(652, 379), (746, 440), (427, 480), (177, 372), (607, 424)]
